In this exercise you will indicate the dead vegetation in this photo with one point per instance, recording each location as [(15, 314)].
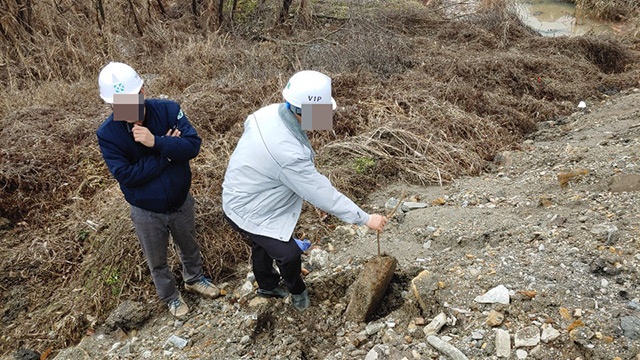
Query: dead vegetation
[(616, 10), (423, 98)]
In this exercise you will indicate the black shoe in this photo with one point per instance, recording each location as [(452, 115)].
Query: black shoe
[(275, 293), (301, 301)]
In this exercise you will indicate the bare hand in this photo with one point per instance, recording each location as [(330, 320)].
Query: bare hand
[(376, 222), (142, 135), (173, 133)]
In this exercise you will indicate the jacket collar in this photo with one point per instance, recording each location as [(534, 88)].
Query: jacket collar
[(294, 127)]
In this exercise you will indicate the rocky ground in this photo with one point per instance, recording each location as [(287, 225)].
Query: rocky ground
[(538, 258)]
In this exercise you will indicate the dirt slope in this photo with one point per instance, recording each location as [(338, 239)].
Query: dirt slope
[(543, 223)]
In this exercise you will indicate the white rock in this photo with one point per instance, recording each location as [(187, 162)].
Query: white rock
[(521, 354), (246, 289), (373, 328), (377, 352), (503, 343), (450, 351), (528, 336), (582, 105), (499, 294), (409, 205), (177, 341), (251, 277), (435, 325), (390, 324), (549, 333)]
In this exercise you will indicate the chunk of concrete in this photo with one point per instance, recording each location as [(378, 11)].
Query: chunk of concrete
[(424, 287), (369, 288)]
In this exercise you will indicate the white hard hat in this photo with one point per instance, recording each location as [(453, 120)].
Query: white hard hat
[(118, 78), (308, 87)]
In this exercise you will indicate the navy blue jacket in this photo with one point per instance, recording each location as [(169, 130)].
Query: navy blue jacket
[(156, 179)]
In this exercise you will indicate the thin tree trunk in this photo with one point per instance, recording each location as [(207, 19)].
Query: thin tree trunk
[(194, 8), (220, 12), (135, 17), (100, 12), (284, 14), (162, 10), (233, 9), (304, 12)]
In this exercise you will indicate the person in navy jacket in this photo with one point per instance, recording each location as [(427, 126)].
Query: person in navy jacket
[(148, 154)]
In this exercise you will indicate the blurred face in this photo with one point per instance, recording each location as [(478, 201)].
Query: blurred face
[(129, 107), (317, 117)]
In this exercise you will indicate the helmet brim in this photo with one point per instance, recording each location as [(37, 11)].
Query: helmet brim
[(109, 100)]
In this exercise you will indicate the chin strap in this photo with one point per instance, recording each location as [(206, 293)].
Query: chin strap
[(294, 109)]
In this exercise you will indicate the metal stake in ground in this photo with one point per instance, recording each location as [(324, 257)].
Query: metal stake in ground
[(389, 217)]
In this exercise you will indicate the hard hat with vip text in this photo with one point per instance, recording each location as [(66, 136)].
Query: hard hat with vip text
[(308, 87)]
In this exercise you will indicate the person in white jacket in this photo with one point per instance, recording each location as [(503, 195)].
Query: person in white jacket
[(270, 173)]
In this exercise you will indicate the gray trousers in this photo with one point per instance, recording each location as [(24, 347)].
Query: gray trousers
[(153, 231)]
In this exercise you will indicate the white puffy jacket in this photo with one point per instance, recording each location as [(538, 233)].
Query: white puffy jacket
[(270, 173)]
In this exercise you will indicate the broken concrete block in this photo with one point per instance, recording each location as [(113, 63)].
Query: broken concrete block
[(369, 288), (424, 287)]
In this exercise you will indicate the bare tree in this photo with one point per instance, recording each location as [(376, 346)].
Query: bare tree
[(100, 13), (208, 13), (194, 8), (234, 6), (135, 17), (284, 14), (161, 7), (220, 12)]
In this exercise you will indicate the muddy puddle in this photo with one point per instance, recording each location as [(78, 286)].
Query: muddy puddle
[(559, 18)]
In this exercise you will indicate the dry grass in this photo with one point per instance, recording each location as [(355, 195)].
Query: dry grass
[(615, 10), (423, 99)]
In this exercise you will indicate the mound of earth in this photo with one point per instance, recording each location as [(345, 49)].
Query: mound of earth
[(554, 226)]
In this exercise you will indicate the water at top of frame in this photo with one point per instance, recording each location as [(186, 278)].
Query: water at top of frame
[(558, 18)]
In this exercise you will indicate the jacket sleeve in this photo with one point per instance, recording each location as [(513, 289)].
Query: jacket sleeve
[(302, 177), (128, 174), (182, 148)]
